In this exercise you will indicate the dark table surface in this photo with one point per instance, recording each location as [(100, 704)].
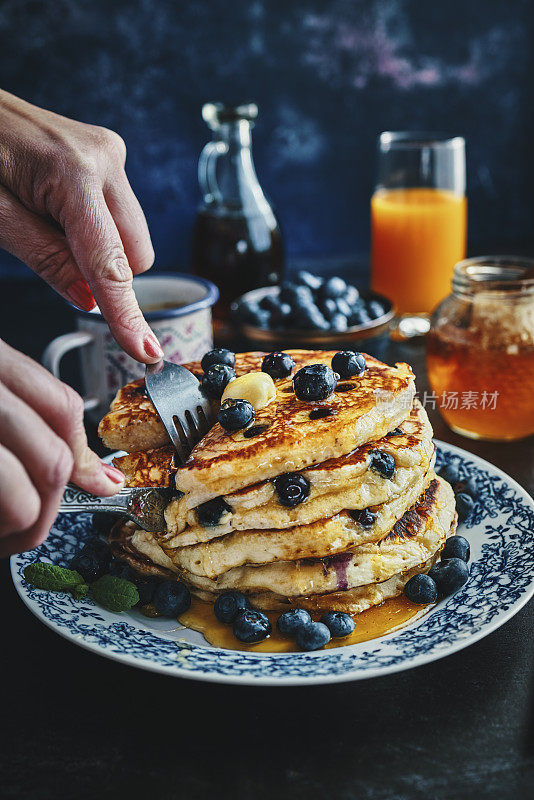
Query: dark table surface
[(75, 725)]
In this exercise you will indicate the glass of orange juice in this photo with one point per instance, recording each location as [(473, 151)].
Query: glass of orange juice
[(418, 223)]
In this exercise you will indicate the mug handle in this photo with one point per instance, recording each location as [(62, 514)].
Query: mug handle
[(56, 350)]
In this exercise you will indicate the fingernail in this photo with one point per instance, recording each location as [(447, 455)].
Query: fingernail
[(152, 347), (81, 295), (113, 473)]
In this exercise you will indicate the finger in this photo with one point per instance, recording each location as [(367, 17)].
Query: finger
[(61, 408), (97, 247), (43, 248), (20, 504), (131, 223)]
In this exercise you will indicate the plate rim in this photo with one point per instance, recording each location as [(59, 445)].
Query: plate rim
[(363, 673)]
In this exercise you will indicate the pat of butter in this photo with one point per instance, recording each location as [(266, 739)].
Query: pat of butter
[(256, 387)]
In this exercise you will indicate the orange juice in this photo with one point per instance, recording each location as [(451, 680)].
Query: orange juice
[(418, 235)]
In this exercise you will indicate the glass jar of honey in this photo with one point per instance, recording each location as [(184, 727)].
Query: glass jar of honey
[(480, 349)]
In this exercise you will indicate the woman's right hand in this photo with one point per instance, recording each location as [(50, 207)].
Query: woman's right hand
[(43, 445)]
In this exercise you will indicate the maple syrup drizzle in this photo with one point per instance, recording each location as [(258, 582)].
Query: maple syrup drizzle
[(377, 621)]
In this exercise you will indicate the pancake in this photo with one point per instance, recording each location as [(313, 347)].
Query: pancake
[(419, 534), (288, 436), (346, 482), (318, 539), (148, 467)]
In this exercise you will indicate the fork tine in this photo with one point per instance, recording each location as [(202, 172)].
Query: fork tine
[(194, 425), (203, 420), (188, 434), (179, 441)]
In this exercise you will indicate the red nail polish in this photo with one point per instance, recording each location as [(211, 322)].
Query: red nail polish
[(113, 473), (152, 347), (81, 295)]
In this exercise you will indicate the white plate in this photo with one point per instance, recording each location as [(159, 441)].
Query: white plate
[(501, 533)]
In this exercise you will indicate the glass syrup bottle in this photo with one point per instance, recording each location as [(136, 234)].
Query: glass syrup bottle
[(236, 241)]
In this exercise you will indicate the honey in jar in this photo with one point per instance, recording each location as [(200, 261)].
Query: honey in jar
[(480, 349)]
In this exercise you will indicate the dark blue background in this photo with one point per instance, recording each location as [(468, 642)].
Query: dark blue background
[(328, 77)]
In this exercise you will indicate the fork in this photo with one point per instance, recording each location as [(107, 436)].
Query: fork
[(184, 410), (145, 506)]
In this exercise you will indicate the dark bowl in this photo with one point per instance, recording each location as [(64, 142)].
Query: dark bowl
[(286, 337)]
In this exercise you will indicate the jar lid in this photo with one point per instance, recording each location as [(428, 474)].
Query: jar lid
[(506, 274)]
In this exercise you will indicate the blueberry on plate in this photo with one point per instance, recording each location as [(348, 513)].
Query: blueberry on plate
[(292, 293), (375, 309), (339, 323), (87, 564), (464, 506), (421, 589), (366, 518), (146, 588), (359, 317), (280, 315), (348, 363), (278, 365), (314, 382), (338, 623), (269, 303), (217, 356), (466, 486), (306, 278), (456, 547), (328, 308), (449, 473), (343, 307), (352, 296), (120, 569), (171, 598), (291, 488), (217, 379), (211, 512), (251, 626), (334, 287), (290, 622), (235, 414), (249, 313), (449, 575), (229, 605), (313, 636), (383, 463)]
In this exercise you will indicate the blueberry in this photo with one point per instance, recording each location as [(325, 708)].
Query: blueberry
[(338, 623), (339, 323), (313, 636), (229, 605), (172, 598), (348, 363), (383, 463), (87, 564), (291, 621), (314, 382), (292, 488), (352, 296), (250, 313), (146, 588), (466, 486), (375, 309), (120, 569), (359, 317), (217, 379), (211, 512), (328, 308), (269, 303), (306, 278), (421, 589), (343, 307), (456, 547), (235, 414), (308, 316), (449, 473), (464, 506), (292, 293), (366, 518), (334, 287), (217, 356), (280, 316), (450, 575), (251, 626), (277, 365)]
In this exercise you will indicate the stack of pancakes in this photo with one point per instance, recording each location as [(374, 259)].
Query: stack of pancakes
[(355, 539)]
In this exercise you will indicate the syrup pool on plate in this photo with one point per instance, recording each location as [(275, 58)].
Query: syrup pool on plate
[(377, 621)]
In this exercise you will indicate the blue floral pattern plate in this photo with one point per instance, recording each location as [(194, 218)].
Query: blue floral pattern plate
[(501, 533)]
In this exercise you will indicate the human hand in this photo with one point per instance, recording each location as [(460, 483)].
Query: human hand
[(68, 211), (42, 446)]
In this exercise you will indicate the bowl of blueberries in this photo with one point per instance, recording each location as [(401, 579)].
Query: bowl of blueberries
[(311, 310)]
